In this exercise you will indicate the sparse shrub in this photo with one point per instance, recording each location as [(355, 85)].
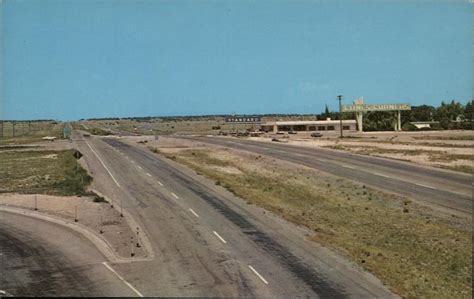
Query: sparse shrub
[(98, 198)]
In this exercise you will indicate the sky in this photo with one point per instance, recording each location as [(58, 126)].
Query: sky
[(74, 59)]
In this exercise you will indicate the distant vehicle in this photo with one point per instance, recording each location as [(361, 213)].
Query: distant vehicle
[(50, 138), (242, 133), (316, 134), (255, 134), (292, 132), (280, 133), (86, 135)]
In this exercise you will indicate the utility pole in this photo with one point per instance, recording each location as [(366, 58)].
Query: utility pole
[(339, 97)]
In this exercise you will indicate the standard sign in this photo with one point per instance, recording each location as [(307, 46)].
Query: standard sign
[(375, 107), (243, 119)]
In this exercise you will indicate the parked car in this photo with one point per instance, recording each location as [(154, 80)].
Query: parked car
[(316, 134), (291, 132)]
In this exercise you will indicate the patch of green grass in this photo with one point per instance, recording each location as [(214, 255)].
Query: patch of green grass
[(410, 249), (47, 172), (97, 131)]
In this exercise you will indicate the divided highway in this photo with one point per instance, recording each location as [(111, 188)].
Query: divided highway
[(445, 189), (206, 242)]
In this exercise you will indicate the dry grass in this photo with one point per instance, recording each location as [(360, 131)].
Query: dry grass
[(415, 252), (46, 172), (25, 133), (433, 156), (433, 137)]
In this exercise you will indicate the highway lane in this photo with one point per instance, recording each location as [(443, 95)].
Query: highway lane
[(445, 189), (208, 245), (41, 259)]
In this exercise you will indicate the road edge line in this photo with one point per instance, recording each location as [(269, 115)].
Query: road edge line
[(122, 279)]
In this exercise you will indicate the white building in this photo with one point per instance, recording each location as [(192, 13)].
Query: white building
[(317, 125)]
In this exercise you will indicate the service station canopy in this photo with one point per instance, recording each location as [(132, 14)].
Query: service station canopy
[(375, 107)]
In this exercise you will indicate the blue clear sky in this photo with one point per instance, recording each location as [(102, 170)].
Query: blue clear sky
[(74, 59)]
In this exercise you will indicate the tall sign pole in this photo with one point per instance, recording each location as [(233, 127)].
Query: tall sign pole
[(339, 97)]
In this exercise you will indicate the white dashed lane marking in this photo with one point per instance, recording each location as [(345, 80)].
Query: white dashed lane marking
[(347, 166), (382, 175), (160, 183), (426, 186), (194, 213), (174, 195), (258, 274), (148, 174), (220, 238)]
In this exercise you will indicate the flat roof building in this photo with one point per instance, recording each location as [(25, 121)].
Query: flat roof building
[(315, 125)]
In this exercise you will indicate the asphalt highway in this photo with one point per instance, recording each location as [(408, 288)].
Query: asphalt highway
[(446, 189), (41, 259), (207, 242)]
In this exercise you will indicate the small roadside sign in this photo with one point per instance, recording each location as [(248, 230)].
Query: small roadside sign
[(77, 155), (66, 132)]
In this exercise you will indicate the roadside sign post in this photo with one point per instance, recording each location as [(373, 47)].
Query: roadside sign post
[(138, 244), (66, 132), (75, 214), (246, 119), (339, 97), (360, 108), (36, 203)]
